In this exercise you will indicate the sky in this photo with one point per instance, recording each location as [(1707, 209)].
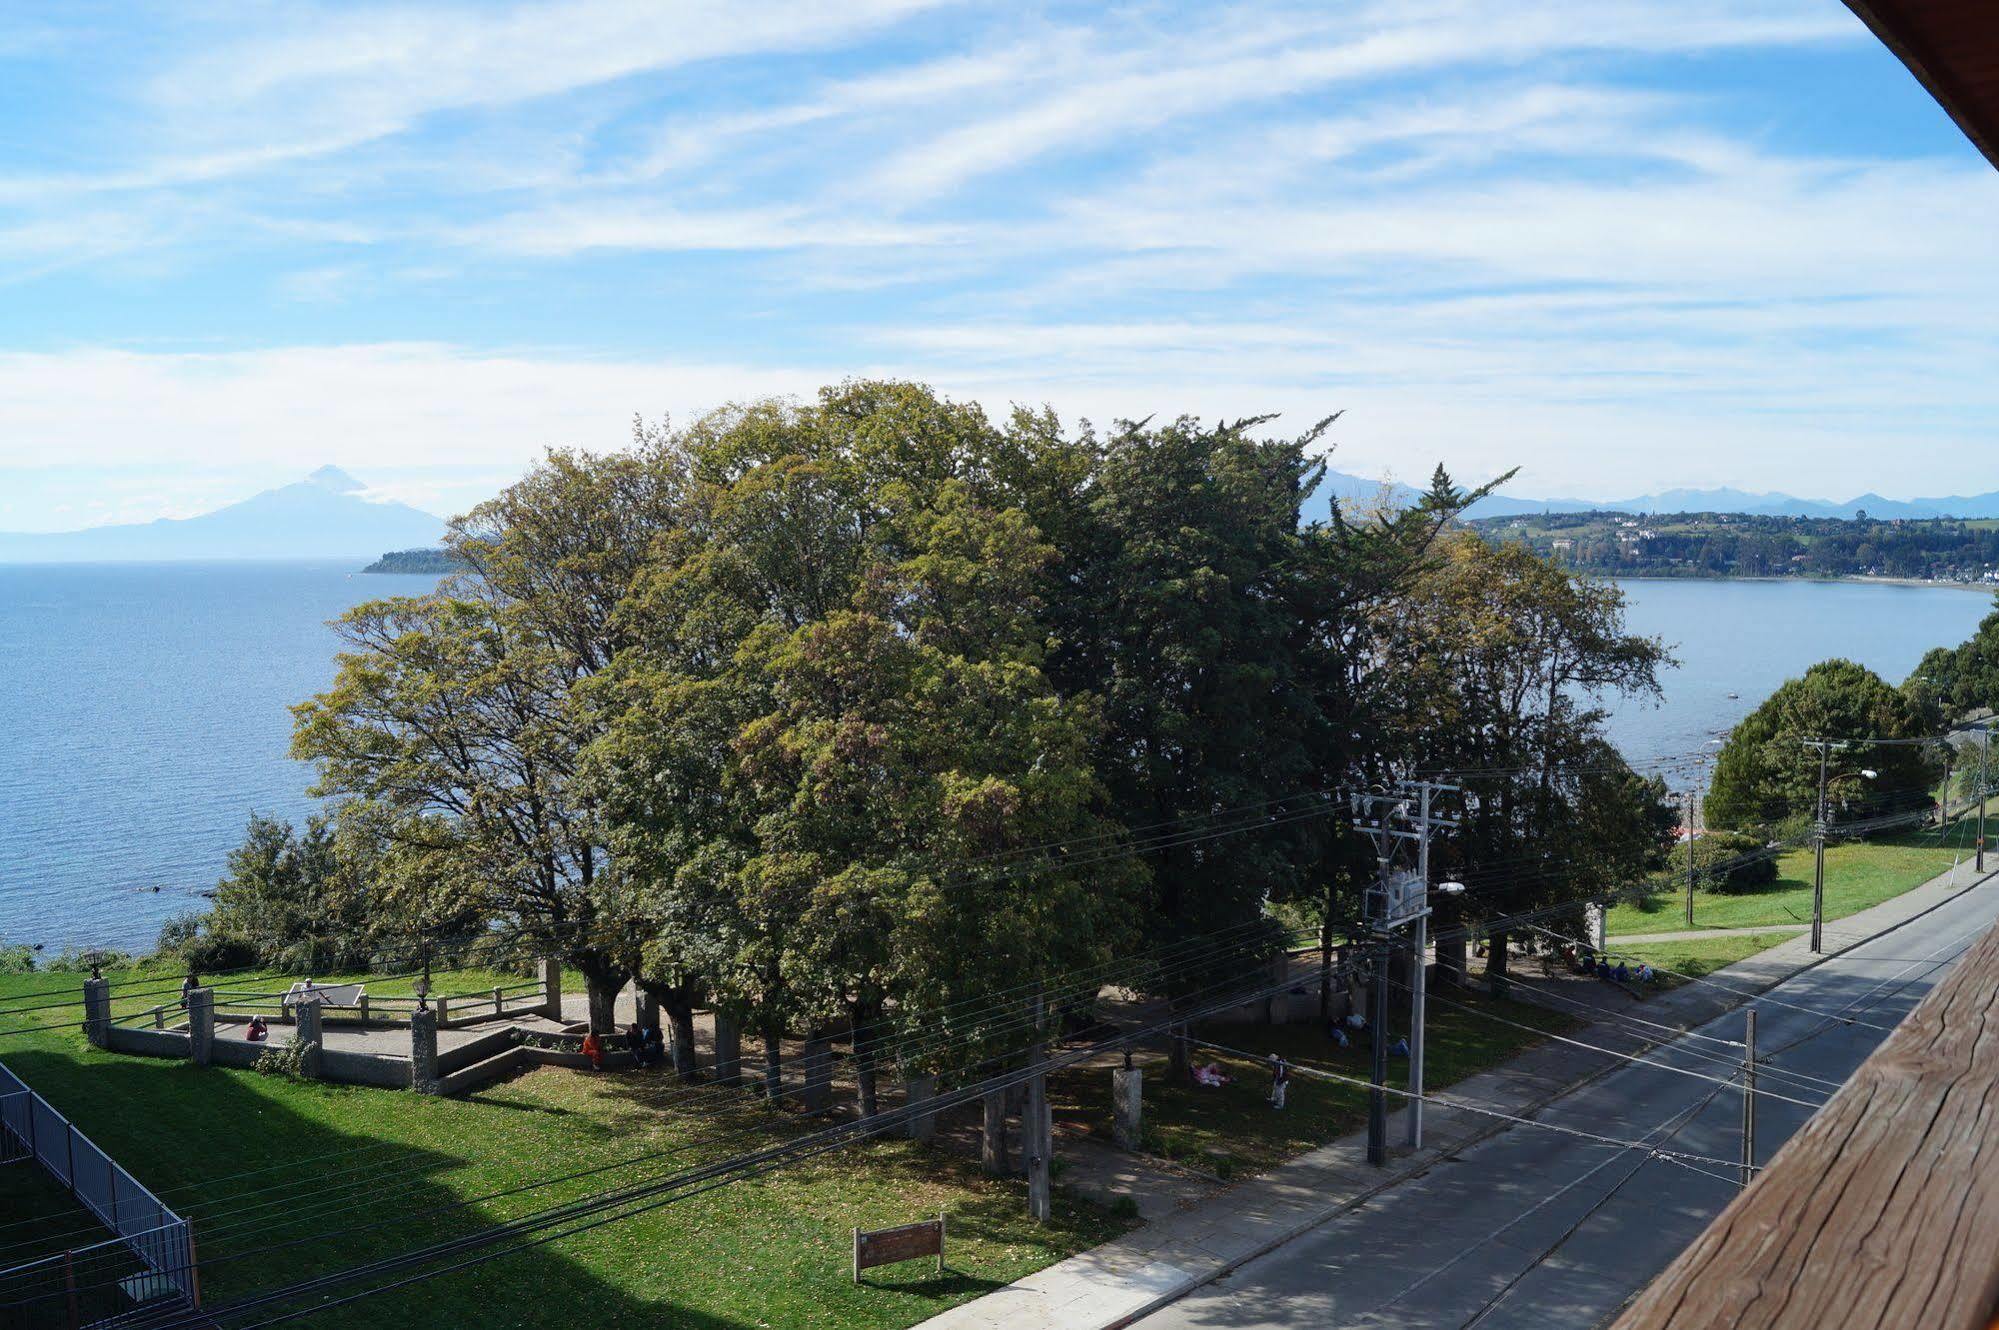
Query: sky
[(1623, 245)]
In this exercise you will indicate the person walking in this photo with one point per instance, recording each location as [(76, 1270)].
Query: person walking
[(1280, 1080)]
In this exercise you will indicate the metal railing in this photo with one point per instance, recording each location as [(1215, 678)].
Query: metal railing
[(157, 1240)]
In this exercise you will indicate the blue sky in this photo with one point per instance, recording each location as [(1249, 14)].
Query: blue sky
[(1624, 246)]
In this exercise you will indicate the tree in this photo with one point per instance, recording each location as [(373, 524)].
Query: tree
[(455, 722), (1766, 775), (833, 707), (1963, 679), (1498, 668)]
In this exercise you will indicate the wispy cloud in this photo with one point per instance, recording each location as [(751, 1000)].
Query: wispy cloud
[(451, 233)]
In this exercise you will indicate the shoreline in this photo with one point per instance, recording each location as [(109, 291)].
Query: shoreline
[(1989, 588)]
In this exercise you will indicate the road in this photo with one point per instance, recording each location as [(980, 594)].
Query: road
[(1532, 1228)]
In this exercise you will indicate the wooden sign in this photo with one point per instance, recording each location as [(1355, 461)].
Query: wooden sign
[(907, 1242)]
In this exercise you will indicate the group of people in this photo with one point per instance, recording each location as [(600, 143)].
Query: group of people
[(1582, 961), (646, 1042)]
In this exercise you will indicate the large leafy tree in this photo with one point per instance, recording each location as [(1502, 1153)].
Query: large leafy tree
[(1767, 775), (833, 711), (456, 721), (1503, 663)]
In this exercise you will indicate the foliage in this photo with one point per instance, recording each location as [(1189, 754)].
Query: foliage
[(285, 1060), (1766, 772), (16, 958), (1501, 664), (1754, 544), (1964, 679), (1725, 861)]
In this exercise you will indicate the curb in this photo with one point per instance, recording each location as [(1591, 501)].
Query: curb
[(1232, 1264)]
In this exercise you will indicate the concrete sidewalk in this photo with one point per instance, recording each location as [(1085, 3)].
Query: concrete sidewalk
[(1125, 1279)]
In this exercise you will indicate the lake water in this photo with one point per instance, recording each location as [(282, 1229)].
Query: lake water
[(143, 710), (142, 719)]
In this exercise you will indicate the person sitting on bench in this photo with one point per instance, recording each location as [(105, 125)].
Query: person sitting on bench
[(258, 1031), (593, 1048)]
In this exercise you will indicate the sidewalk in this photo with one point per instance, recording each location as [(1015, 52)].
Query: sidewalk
[(1124, 1279)]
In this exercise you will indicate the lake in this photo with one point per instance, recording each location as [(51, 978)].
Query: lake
[(143, 710)]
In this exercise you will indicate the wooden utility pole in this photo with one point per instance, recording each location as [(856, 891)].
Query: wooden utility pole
[(1818, 852), (1984, 747), (1690, 857), (1748, 1096), (1377, 1095)]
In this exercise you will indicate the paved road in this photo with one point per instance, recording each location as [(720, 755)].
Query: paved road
[(1531, 1228)]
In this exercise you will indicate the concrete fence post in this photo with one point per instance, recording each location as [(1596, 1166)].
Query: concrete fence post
[(201, 1026), (551, 988), (309, 1035), (97, 1011), (1127, 1105), (817, 1060), (423, 1052), (361, 1008), (728, 1050), (921, 1090), (443, 1006), (499, 1001)]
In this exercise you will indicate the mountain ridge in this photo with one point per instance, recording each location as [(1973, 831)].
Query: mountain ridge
[(327, 515), (1345, 486)]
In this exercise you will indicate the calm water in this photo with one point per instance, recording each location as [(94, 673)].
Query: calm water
[(142, 719), (142, 710), (1745, 638)]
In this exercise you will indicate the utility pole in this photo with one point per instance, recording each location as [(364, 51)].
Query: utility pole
[(1377, 1095), (1984, 748), (1818, 852), (1748, 1096), (1396, 900), (1690, 856), (1419, 977), (1036, 1139)]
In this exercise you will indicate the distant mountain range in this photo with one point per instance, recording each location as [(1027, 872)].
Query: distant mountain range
[(1350, 488), (328, 515)]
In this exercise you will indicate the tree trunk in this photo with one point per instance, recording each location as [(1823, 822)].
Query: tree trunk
[(865, 1088), (1178, 1065), (1495, 962), (992, 1134), (680, 1022), (773, 1065), (1451, 961), (602, 981)]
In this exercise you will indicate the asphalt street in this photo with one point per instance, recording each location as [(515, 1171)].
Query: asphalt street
[(1534, 1228)]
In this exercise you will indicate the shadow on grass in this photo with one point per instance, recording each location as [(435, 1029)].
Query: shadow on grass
[(276, 1193)]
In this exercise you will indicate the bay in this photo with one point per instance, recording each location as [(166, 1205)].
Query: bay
[(143, 710), (143, 718)]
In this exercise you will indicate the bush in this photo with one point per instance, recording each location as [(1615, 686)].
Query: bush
[(1726, 862), (287, 1060), (190, 940), (16, 958)]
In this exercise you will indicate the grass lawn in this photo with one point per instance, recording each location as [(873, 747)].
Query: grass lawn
[(1233, 1130), (1701, 956), (1858, 874), (332, 1175)]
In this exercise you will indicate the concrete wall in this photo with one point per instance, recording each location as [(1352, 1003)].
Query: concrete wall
[(475, 1050), (350, 1068), (235, 1053), (467, 1079), (149, 1043)]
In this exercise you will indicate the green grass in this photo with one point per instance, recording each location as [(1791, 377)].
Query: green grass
[(1701, 956), (1858, 874), (1233, 1130), (772, 1251)]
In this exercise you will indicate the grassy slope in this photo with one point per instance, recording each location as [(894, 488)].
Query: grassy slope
[(1233, 1130), (768, 1252), (1858, 874)]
